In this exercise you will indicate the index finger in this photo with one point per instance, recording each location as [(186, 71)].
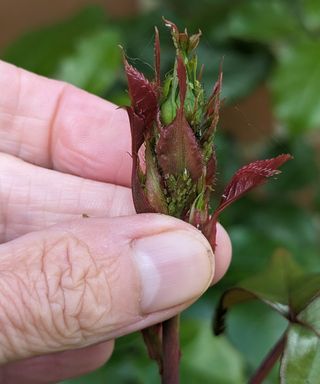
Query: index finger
[(55, 125)]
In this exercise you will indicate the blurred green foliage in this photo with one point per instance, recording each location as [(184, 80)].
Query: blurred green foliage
[(275, 42), (295, 295)]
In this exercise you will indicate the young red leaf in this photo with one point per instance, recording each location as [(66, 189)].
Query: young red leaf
[(153, 186), (213, 108), (137, 130), (211, 169), (142, 94), (178, 150), (248, 177), (174, 32), (182, 78), (157, 58), (140, 200)]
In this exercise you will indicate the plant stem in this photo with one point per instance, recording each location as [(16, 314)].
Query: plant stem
[(152, 339), (269, 361), (171, 351)]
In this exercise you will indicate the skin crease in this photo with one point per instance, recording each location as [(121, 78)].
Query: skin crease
[(64, 152)]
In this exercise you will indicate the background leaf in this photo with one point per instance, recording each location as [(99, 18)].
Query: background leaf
[(95, 62), (41, 50), (262, 21), (300, 362), (296, 97), (310, 316), (213, 361), (272, 286)]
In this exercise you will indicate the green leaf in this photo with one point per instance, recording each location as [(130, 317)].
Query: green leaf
[(304, 291), (209, 359), (95, 64), (272, 286), (262, 20), (307, 13), (283, 286), (296, 84), (300, 362), (42, 50), (253, 329), (310, 316)]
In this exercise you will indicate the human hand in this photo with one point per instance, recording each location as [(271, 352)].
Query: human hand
[(70, 285)]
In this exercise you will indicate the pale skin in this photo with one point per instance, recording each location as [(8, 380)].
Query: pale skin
[(70, 285)]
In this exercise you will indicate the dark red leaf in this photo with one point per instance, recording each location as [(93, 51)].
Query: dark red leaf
[(140, 200), (213, 108), (246, 178), (153, 186), (157, 58), (137, 130), (174, 31), (209, 229), (250, 176), (178, 150), (142, 94), (211, 169), (182, 78)]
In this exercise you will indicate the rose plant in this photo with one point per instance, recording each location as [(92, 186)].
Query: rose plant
[(173, 126)]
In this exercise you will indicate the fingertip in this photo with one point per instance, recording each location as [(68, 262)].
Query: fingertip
[(58, 366), (223, 253)]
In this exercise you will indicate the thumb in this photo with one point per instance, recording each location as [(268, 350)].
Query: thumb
[(91, 280)]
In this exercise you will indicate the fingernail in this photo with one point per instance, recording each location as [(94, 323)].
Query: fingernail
[(174, 267)]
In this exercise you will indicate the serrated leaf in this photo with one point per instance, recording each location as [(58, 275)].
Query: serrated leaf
[(245, 179), (301, 359), (137, 127), (248, 177), (153, 187), (213, 108), (142, 94), (178, 150)]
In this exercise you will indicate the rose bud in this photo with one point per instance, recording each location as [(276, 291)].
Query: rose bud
[(174, 124)]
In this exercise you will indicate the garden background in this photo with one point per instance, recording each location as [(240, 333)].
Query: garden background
[(271, 91)]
